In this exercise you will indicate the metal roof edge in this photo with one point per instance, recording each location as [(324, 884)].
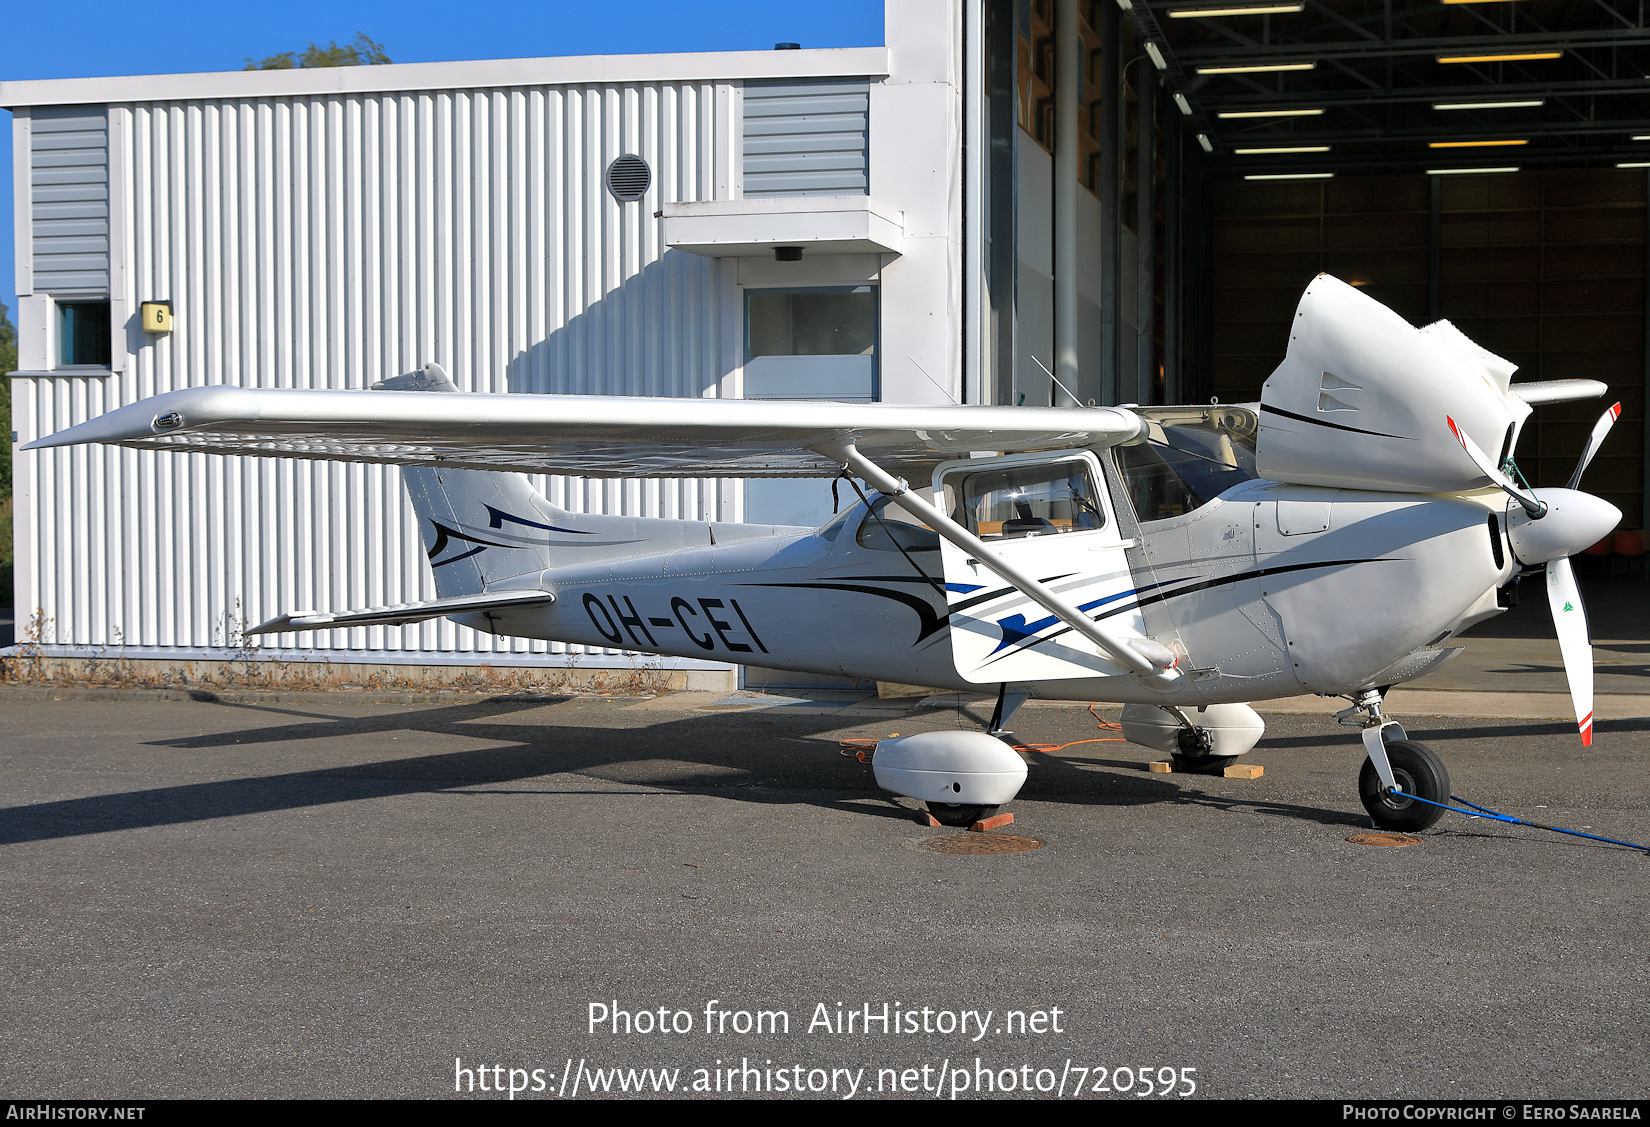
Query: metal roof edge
[(562, 70)]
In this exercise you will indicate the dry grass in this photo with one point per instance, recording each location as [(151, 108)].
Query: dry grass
[(242, 668)]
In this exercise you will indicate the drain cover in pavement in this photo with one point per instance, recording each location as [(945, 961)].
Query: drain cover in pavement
[(976, 844), (1383, 839)]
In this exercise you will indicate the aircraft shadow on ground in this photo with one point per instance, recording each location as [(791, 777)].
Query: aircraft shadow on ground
[(1058, 779), (1420, 728), (1600, 670), (752, 758)]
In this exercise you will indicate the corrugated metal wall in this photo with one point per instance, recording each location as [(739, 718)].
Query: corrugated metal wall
[(69, 194), (806, 138), (331, 241)]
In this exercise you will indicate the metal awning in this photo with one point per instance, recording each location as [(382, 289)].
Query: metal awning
[(756, 227)]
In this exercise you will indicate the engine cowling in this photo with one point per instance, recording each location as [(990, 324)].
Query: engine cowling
[(1362, 399)]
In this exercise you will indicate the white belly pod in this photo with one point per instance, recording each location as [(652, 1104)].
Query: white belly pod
[(963, 768), (1232, 728)]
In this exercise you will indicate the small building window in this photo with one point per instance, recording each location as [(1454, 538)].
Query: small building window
[(814, 343), (83, 334), (839, 322)]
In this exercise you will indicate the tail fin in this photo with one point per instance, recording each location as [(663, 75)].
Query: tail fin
[(482, 526), (479, 526)]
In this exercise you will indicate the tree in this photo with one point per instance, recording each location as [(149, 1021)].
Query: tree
[(363, 52)]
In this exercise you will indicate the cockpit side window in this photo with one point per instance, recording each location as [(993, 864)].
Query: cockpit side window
[(1009, 502), (1186, 457), (888, 526)]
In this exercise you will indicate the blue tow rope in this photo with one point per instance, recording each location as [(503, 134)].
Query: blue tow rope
[(1486, 812)]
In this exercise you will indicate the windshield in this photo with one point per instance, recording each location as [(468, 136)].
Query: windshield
[(1186, 457)]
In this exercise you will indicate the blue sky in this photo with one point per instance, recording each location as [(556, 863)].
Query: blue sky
[(96, 37)]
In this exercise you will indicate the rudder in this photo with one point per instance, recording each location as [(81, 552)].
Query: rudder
[(478, 525)]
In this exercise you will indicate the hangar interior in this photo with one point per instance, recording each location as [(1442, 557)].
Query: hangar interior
[(1011, 201), (1483, 162)]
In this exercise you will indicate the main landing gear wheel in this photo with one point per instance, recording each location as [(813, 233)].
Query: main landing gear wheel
[(1203, 764), (954, 814), (1419, 772)]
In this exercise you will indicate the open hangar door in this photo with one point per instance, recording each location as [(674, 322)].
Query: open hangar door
[(1544, 268), (1483, 162)]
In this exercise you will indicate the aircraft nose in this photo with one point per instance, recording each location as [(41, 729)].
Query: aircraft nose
[(1573, 521)]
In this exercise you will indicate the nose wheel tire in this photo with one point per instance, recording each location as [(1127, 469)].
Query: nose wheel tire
[(1418, 772), (1203, 764), (954, 814)]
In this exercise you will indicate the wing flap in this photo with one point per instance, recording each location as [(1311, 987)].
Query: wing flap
[(586, 435), (402, 613)]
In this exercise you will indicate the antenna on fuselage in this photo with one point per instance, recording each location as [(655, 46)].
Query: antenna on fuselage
[(1055, 378)]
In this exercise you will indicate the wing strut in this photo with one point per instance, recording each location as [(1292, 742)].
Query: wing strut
[(1153, 661)]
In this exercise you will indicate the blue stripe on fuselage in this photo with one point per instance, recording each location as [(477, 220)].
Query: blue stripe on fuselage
[(1016, 629)]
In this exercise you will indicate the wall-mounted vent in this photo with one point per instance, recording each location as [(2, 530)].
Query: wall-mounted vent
[(629, 178), (806, 138), (69, 192)]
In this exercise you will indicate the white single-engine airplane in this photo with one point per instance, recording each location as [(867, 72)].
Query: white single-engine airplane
[(1179, 560)]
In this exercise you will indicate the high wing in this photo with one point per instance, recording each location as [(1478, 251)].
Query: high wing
[(588, 435)]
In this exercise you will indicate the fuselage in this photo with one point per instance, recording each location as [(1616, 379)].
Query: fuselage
[(1265, 591)]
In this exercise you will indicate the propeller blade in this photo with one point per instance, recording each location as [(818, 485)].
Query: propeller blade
[(1594, 441), (1570, 623), (1524, 497)]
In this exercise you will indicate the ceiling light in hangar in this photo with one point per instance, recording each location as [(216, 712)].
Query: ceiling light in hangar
[(1362, 88)]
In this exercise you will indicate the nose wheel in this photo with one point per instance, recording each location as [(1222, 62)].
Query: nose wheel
[(960, 815), (1398, 773), (1419, 773)]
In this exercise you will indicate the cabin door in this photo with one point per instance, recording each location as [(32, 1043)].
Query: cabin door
[(1051, 515)]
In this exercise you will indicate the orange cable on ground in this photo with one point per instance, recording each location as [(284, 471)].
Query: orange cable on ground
[(863, 749), (1047, 748), (860, 749), (1103, 725)]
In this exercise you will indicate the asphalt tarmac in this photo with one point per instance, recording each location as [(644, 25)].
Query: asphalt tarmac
[(326, 898)]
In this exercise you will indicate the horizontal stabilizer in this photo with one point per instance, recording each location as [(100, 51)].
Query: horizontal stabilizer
[(1558, 391), (402, 613)]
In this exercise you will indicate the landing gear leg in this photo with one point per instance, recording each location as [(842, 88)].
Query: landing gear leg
[(1196, 746), (1008, 703), (1398, 770)]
